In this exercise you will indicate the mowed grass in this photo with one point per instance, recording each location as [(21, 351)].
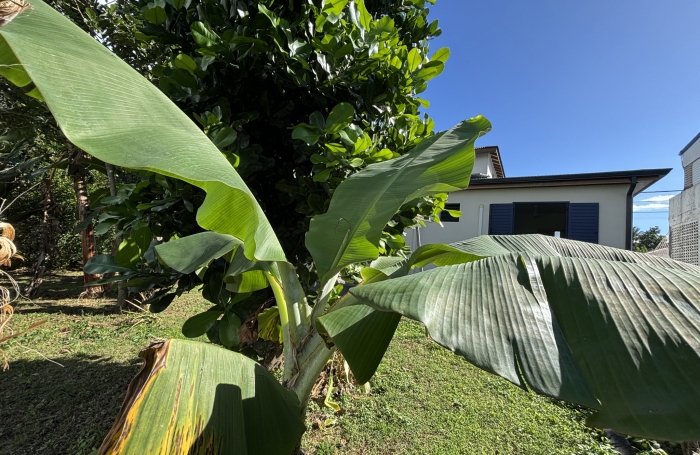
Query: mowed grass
[(426, 400), (46, 408), (423, 400)]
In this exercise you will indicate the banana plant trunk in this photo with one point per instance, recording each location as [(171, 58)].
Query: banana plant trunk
[(87, 236)]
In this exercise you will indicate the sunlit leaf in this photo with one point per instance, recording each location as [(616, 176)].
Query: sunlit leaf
[(361, 206), (187, 254)]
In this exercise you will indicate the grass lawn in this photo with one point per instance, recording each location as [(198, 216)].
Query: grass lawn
[(423, 400)]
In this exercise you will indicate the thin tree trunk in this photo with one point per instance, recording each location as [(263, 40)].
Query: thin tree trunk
[(49, 227), (691, 448), (87, 236), (121, 289)]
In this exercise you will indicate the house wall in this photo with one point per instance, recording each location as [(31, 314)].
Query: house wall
[(691, 165), (612, 211), (483, 165), (692, 154)]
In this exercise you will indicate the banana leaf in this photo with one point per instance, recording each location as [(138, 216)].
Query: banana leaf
[(362, 333), (192, 398), (362, 205), (612, 330)]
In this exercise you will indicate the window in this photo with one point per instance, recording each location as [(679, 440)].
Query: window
[(548, 218), (445, 216), (575, 221)]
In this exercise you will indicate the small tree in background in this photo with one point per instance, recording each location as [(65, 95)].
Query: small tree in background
[(646, 240)]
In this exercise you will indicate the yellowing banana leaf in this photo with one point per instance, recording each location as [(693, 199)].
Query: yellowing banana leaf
[(616, 331), (192, 398), (110, 111)]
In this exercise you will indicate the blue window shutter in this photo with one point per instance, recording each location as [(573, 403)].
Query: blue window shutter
[(583, 222), (500, 219)]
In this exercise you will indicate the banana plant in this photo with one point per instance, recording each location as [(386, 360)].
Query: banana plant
[(608, 329)]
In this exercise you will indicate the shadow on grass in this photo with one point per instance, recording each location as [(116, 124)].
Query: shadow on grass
[(61, 293), (53, 410), (78, 310), (57, 285)]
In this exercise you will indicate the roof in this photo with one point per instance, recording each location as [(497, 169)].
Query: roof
[(645, 178), (495, 158), (690, 144)]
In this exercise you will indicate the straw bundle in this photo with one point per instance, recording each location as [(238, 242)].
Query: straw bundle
[(9, 9), (8, 250)]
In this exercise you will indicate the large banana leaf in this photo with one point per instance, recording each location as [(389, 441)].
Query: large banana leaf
[(107, 109), (612, 330), (362, 205), (363, 334), (195, 398)]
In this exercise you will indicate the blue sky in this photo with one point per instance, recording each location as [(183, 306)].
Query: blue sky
[(574, 86)]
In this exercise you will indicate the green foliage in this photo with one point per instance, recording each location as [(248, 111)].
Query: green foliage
[(33, 144), (30, 146), (298, 97), (336, 73), (597, 326), (644, 241), (351, 229)]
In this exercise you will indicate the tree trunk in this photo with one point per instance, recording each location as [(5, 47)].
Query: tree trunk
[(87, 236), (121, 289), (691, 448), (49, 227)]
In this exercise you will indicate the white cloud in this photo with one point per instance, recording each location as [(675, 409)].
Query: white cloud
[(662, 198), (650, 206)]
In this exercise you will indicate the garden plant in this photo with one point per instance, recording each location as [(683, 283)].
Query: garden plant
[(608, 329)]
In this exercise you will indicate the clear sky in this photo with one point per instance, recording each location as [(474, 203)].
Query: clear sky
[(575, 86)]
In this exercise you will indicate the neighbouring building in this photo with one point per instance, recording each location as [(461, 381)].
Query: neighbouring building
[(661, 249), (592, 207), (684, 208)]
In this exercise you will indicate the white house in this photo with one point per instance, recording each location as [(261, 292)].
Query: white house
[(684, 208), (593, 207)]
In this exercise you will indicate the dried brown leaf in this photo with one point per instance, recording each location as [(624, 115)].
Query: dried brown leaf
[(9, 9)]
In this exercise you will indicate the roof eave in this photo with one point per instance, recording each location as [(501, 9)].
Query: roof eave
[(650, 175), (690, 144)]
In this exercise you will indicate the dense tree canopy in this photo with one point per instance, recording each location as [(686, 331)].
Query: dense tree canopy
[(250, 71), (297, 96)]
